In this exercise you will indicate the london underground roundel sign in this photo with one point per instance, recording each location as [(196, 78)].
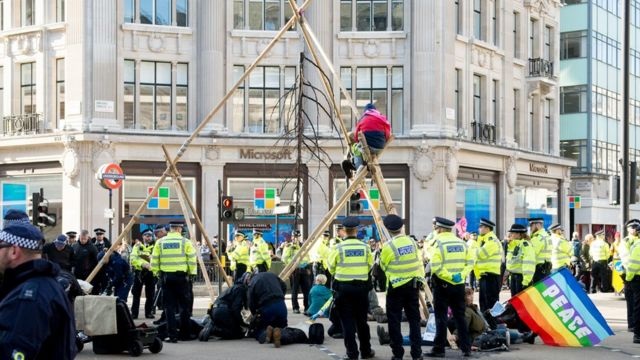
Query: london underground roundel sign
[(110, 176)]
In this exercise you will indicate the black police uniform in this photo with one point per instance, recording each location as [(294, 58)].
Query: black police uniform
[(36, 320)]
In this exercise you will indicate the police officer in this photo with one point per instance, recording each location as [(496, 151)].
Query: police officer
[(350, 263), (541, 242), (631, 264), (318, 255), (599, 252), (239, 255), (100, 241), (174, 260), (36, 318), (401, 262), (521, 259), (487, 265), (301, 276), (561, 250), (451, 262), (259, 256), (629, 241), (143, 276)]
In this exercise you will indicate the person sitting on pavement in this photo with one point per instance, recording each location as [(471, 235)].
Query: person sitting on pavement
[(319, 294), (226, 313)]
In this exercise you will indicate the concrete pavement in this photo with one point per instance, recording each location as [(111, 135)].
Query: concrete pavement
[(612, 307)]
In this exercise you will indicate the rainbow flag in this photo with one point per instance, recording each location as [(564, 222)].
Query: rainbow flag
[(559, 310)]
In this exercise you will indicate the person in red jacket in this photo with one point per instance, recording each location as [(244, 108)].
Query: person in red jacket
[(376, 129)]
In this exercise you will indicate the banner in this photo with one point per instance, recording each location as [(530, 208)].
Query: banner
[(559, 310)]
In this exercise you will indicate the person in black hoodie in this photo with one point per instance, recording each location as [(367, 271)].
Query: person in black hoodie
[(265, 299), (226, 314), (36, 320), (85, 257)]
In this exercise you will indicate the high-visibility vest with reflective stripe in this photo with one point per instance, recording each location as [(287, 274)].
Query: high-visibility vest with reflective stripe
[(429, 243), (541, 242), (400, 260), (174, 253), (290, 251), (488, 254), (521, 259), (351, 260), (259, 253), (239, 255), (138, 253), (599, 250), (632, 263), (451, 256), (561, 252)]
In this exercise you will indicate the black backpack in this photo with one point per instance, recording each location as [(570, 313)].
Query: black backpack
[(492, 340), (316, 333)]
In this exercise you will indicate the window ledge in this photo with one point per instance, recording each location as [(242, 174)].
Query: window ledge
[(518, 61), (263, 34), (372, 35), (34, 28), (165, 29)]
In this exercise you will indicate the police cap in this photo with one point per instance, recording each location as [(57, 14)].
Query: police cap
[(555, 227), (257, 232), (599, 232), (176, 223), (536, 220), (351, 222), (518, 229), (488, 223), (239, 233), (71, 233), (393, 222), (326, 233), (147, 233), (296, 233), (99, 231), (444, 223)]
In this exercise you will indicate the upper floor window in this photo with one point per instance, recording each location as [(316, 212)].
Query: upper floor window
[(477, 19), (28, 88), (572, 2), (259, 105), (60, 89), (477, 98), (516, 34), (573, 99), (157, 12), (261, 14), (382, 86), (372, 15), (548, 33), (573, 45), (28, 12), (458, 17), (60, 10), (1, 14), (546, 127), (149, 101), (495, 10)]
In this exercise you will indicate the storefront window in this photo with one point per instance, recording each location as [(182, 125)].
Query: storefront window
[(396, 188), (16, 192), (163, 206), (474, 200), (258, 198), (536, 201)]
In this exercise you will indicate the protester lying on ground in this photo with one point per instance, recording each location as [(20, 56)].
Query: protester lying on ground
[(226, 314)]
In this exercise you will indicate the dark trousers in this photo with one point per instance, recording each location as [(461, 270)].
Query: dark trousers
[(262, 267), (634, 284), (175, 290), (542, 270), (515, 283), (273, 314), (404, 297), (489, 290), (351, 299), (447, 296), (300, 282), (143, 278), (239, 271), (598, 272), (630, 298)]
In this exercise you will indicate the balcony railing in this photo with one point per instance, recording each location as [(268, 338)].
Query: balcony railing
[(540, 67), (484, 132), (22, 124)]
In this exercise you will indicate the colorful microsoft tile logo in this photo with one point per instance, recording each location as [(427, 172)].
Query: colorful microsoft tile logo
[(374, 195), (574, 202), (159, 199), (264, 198)]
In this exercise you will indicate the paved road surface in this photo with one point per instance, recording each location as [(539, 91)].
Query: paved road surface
[(612, 307)]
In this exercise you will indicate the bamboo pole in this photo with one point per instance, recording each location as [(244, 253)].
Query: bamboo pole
[(185, 213), (183, 188), (190, 139), (315, 235)]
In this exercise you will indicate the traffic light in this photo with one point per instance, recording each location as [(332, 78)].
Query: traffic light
[(44, 218), (226, 208), (355, 206)]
